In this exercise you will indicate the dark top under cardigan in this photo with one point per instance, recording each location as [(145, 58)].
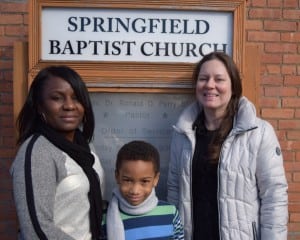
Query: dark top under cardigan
[(204, 190)]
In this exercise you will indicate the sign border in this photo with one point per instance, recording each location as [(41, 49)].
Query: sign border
[(120, 76)]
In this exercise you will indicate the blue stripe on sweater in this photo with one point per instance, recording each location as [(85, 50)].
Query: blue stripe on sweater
[(150, 232), (143, 221)]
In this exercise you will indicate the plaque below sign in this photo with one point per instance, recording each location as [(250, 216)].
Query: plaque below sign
[(121, 118)]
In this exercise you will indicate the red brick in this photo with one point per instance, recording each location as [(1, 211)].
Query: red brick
[(6, 98), (296, 177), (294, 236), (291, 4), (7, 153), (5, 121), (8, 75), (259, 36), (16, 30), (290, 37), (298, 156), (294, 227), (288, 176), (281, 47), (291, 102), (6, 42), (271, 58), (294, 188), (275, 3), (5, 86), (293, 135), (11, 19), (272, 79), (281, 91), (294, 197), (280, 25), (25, 19), (295, 217), (13, 7), (258, 3), (265, 13), (292, 80), (294, 207), (5, 110), (291, 58), (291, 14), (9, 141), (278, 113), (269, 102), (1, 30), (288, 69), (6, 52), (254, 25), (289, 124), (289, 145), (281, 134), (273, 68), (274, 123), (288, 156)]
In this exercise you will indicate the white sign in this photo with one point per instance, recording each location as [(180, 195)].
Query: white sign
[(136, 35)]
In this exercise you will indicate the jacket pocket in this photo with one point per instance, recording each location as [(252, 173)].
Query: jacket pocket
[(255, 237)]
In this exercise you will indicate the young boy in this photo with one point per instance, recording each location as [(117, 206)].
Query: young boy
[(134, 211)]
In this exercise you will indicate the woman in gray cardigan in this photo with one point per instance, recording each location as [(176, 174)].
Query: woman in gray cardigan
[(57, 176), (226, 172)]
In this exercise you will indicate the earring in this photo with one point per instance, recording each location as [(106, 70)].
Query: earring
[(43, 116)]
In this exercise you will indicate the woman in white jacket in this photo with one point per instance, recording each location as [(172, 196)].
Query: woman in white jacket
[(226, 171)]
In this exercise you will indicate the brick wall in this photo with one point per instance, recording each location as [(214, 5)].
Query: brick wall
[(271, 24), (13, 27), (274, 26)]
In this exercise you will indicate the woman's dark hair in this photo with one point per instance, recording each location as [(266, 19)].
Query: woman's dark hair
[(236, 85), (29, 117), (138, 150)]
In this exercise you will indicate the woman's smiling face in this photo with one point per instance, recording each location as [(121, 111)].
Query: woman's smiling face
[(213, 87), (60, 107)]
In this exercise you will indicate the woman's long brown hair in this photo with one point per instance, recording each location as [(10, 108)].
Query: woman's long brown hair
[(227, 122)]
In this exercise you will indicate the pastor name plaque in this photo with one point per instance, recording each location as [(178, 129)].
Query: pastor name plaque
[(123, 117)]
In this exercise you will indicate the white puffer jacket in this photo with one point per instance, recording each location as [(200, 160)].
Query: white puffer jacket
[(252, 189)]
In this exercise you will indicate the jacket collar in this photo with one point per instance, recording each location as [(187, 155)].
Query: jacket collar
[(245, 118)]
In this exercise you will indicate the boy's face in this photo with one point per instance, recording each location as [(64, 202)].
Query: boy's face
[(136, 178)]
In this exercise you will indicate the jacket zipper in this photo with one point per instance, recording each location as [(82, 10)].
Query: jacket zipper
[(254, 231), (218, 191), (191, 177)]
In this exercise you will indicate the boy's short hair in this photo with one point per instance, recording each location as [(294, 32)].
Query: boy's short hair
[(138, 150)]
